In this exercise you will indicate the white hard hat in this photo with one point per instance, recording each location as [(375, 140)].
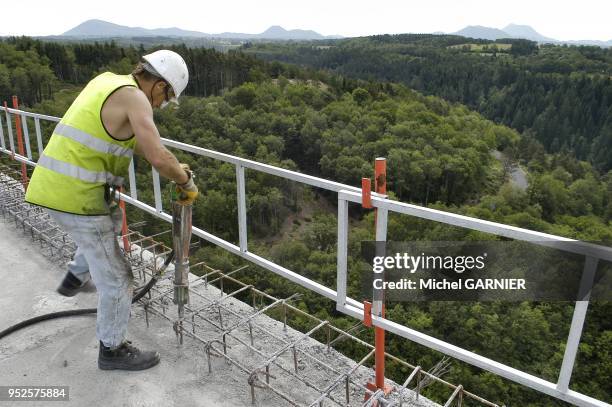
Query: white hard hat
[(172, 68)]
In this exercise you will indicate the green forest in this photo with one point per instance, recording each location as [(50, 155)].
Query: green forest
[(443, 152), (559, 95)]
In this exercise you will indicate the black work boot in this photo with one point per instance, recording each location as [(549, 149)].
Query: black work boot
[(126, 357), (70, 285)]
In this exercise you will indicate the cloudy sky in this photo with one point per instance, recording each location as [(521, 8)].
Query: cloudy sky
[(587, 19)]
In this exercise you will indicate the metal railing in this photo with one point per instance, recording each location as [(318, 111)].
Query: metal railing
[(278, 359), (345, 304)]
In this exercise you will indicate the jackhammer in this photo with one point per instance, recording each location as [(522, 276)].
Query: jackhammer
[(181, 242)]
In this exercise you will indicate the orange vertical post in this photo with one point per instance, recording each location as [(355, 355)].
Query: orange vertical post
[(380, 187), (366, 193), (24, 173), (380, 174), (124, 229), (367, 313)]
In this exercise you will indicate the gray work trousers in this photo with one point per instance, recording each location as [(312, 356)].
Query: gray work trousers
[(99, 257)]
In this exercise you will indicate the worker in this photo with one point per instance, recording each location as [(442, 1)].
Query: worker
[(84, 163)]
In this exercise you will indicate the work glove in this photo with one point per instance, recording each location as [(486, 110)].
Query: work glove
[(187, 192)]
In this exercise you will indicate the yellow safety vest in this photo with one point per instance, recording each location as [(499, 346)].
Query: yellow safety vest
[(82, 158)]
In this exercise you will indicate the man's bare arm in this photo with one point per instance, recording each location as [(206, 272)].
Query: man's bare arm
[(140, 115)]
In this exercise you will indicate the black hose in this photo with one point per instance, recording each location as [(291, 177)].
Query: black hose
[(32, 321), (138, 294)]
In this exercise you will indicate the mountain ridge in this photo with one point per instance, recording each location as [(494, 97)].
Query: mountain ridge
[(521, 31), (101, 28), (479, 31)]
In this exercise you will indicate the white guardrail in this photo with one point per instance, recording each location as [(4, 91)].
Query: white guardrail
[(347, 305)]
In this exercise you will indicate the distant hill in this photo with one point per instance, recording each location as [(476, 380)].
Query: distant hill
[(521, 31), (526, 32), (276, 32), (102, 29), (486, 33)]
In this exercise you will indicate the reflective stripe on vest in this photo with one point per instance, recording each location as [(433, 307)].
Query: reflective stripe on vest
[(92, 142), (78, 172)]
